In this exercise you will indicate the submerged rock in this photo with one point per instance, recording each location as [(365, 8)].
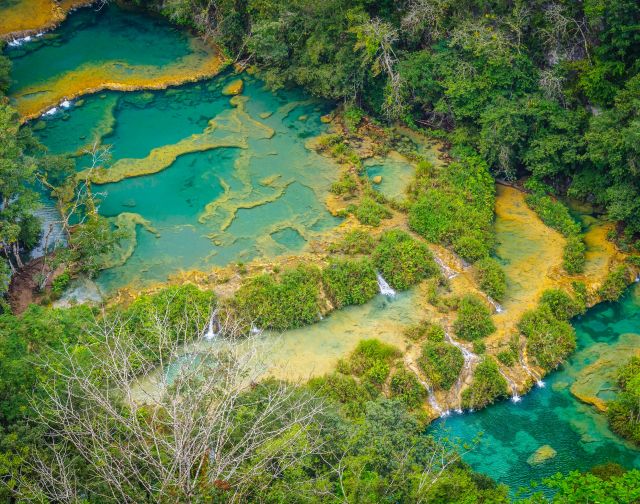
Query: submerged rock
[(377, 179), (541, 455), (233, 88)]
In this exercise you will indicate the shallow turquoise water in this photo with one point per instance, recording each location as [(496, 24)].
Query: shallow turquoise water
[(91, 36), (551, 415), (291, 180)]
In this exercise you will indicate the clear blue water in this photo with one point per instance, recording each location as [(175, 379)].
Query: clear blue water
[(552, 415)]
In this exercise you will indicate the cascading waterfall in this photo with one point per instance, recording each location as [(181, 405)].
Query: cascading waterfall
[(469, 359), (211, 333), (446, 270), (432, 398), (496, 306), (530, 372), (52, 232), (385, 288), (515, 397)]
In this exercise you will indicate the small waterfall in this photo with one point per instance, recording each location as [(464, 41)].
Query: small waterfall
[(515, 397), (211, 332), (432, 398), (496, 306), (469, 359), (52, 232), (530, 372), (385, 288), (17, 42), (446, 270)]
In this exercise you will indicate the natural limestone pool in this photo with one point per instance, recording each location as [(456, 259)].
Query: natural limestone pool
[(199, 178)]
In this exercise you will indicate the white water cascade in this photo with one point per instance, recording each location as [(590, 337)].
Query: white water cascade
[(446, 270), (211, 332), (469, 359), (496, 306), (52, 232), (385, 288), (432, 398), (533, 375), (515, 397)]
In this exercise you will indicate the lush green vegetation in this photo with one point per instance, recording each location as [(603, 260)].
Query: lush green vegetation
[(491, 278), (402, 260), (562, 305), (615, 284), (441, 363), (350, 281), (369, 212), (355, 242), (549, 339), (474, 319), (487, 386), (290, 299), (425, 330), (455, 206), (556, 215), (624, 411)]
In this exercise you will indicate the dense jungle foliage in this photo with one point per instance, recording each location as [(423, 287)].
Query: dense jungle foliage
[(545, 89)]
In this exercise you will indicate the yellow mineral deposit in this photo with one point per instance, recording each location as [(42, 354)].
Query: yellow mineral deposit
[(27, 17), (203, 62)]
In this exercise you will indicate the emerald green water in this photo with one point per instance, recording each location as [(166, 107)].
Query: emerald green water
[(90, 36), (552, 415), (264, 196), (285, 181)]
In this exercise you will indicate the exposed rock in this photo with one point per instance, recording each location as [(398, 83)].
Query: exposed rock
[(326, 118), (541, 455), (233, 88), (377, 179)]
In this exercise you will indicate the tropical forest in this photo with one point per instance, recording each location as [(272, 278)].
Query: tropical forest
[(320, 251)]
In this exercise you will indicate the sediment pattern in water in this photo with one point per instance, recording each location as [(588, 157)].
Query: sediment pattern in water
[(219, 180)]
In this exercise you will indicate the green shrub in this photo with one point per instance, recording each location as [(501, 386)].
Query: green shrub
[(491, 278), (292, 300), (352, 117), (60, 283), (561, 304), (425, 330), (624, 411), (346, 186), (402, 260), (456, 209), (507, 357), (573, 256), (487, 386), (479, 347), (179, 312), (405, 386), (615, 284), (369, 212), (549, 340), (370, 356), (553, 213), (473, 320), (441, 363), (346, 390), (356, 241), (350, 281)]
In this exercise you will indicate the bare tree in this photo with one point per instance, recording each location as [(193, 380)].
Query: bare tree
[(376, 39), (565, 35), (425, 17), (78, 205), (160, 421)]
